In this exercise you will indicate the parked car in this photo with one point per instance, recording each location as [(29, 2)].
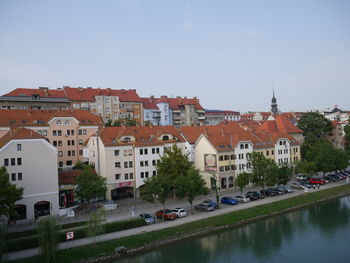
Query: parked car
[(167, 214), (254, 195), (297, 186), (209, 201), (204, 207), (242, 198), (149, 219), (284, 189), (229, 200), (267, 192), (301, 177), (316, 181), (180, 212), (277, 191), (305, 184)]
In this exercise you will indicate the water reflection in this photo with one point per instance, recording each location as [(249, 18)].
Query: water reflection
[(266, 240)]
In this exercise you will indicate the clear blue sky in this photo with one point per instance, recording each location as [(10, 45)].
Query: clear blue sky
[(227, 53)]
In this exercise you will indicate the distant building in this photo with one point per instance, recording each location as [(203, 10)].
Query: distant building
[(152, 113), (31, 162), (214, 117), (274, 108)]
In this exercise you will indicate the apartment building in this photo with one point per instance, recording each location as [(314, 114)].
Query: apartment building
[(214, 117), (66, 130), (152, 113), (31, 162), (126, 156)]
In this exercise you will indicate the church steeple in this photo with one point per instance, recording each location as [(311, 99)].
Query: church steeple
[(274, 108)]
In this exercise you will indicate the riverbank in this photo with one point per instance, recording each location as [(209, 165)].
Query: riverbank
[(145, 241)]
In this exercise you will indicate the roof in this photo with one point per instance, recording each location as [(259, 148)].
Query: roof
[(42, 92), (149, 104), (18, 118), (88, 94), (279, 124), (19, 134), (144, 135), (221, 112)]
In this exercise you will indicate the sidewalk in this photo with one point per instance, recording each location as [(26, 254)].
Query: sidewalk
[(171, 204)]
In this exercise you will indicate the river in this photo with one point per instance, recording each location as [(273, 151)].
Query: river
[(319, 233)]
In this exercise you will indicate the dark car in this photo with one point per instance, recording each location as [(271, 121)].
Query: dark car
[(204, 207), (228, 200), (267, 192), (277, 191), (254, 195), (211, 202), (167, 214)]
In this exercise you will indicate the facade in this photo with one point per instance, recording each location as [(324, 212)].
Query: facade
[(152, 113), (66, 130), (31, 163), (179, 111), (337, 136), (126, 156)]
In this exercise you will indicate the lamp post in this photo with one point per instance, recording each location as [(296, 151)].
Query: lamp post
[(216, 188)]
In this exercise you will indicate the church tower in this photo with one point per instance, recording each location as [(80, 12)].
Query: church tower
[(274, 108)]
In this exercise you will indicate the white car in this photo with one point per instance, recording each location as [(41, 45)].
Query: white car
[(242, 198), (180, 212)]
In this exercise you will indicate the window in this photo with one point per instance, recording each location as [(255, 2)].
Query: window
[(13, 161), (142, 175), (13, 177), (69, 153), (117, 164), (19, 176), (6, 162), (117, 176), (125, 152), (227, 157), (59, 133), (19, 161), (73, 153), (60, 153), (73, 142), (69, 162), (233, 157), (19, 147), (146, 151), (59, 143), (130, 152), (227, 168), (68, 142), (154, 173), (80, 132), (221, 157), (80, 141), (58, 122), (154, 162), (272, 152), (153, 150), (146, 163), (44, 133), (221, 168), (146, 175), (141, 163), (157, 150), (130, 164), (241, 146), (267, 153), (60, 164), (80, 152), (116, 152), (54, 133), (72, 132), (131, 175), (84, 132), (54, 143), (68, 132), (125, 164), (66, 122), (126, 176), (141, 151), (246, 146)]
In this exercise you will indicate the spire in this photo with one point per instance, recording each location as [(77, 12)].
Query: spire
[(274, 108)]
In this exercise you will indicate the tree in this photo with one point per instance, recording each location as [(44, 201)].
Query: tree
[(264, 170), (190, 185), (48, 238), (323, 155), (242, 180), (284, 174), (347, 135), (341, 160), (9, 194), (315, 126), (127, 122), (94, 226), (306, 167), (3, 232), (90, 185)]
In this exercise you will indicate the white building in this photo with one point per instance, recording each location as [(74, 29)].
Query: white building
[(31, 162)]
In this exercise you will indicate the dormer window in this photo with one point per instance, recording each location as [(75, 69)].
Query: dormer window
[(58, 122), (127, 139), (35, 97), (165, 138)]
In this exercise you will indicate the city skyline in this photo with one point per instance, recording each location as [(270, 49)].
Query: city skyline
[(230, 55)]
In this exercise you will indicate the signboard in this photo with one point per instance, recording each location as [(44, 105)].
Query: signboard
[(210, 162), (70, 235)]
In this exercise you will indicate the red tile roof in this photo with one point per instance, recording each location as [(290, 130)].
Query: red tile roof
[(176, 103), (149, 104), (44, 93), (144, 136), (19, 134), (88, 94), (279, 124), (18, 118)]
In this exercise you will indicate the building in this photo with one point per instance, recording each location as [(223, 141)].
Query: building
[(126, 156), (179, 111), (214, 117), (110, 104), (152, 113), (31, 162), (35, 99), (337, 136), (66, 130)]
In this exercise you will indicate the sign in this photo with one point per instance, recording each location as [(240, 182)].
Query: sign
[(210, 162), (124, 184), (70, 235)]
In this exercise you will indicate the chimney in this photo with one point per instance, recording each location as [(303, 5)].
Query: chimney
[(43, 88)]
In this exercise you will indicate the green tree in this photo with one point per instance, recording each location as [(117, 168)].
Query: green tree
[(347, 135), (94, 226), (242, 180), (284, 174), (48, 238), (9, 194), (90, 185), (341, 159), (264, 170), (190, 185), (306, 167), (315, 126), (323, 154), (127, 122)]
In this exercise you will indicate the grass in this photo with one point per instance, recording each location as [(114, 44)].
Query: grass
[(140, 240)]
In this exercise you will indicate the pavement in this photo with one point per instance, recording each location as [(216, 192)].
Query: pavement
[(126, 207)]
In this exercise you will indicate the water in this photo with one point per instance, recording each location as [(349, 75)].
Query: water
[(314, 234)]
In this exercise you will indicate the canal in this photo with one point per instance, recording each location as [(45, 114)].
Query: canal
[(319, 233)]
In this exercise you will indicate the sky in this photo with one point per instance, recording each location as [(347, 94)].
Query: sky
[(230, 54)]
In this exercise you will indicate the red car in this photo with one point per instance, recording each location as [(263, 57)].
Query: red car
[(167, 214), (316, 181)]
